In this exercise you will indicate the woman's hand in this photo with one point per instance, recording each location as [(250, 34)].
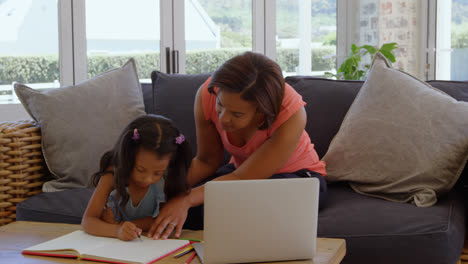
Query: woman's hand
[(171, 216), (128, 231)]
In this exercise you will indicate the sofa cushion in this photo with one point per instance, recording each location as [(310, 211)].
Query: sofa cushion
[(65, 206), (379, 231), (79, 123), (173, 97), (147, 89), (401, 140), (328, 102)]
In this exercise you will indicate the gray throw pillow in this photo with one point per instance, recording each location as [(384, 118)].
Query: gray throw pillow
[(402, 139), (81, 122)]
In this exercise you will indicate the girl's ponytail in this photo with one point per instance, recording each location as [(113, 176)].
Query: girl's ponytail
[(104, 163), (178, 168)]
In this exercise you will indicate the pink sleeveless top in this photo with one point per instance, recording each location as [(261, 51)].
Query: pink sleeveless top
[(304, 157)]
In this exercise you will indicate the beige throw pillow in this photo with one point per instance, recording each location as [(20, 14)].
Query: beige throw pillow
[(81, 122), (401, 140)]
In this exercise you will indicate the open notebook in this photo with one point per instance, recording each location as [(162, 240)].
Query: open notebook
[(79, 244)]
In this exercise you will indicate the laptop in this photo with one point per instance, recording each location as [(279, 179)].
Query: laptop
[(259, 221)]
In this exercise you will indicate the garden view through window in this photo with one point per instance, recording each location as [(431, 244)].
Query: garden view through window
[(216, 30), (306, 36), (128, 31), (28, 46)]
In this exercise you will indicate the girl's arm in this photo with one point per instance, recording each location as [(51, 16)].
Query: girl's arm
[(92, 222)]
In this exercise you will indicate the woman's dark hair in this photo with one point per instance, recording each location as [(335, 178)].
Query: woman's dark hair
[(256, 78), (157, 134)]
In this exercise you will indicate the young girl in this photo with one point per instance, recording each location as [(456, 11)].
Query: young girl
[(146, 167)]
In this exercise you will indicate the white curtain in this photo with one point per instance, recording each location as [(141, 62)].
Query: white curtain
[(376, 22)]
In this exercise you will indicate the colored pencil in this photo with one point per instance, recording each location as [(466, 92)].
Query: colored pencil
[(184, 251), (189, 239), (191, 257)]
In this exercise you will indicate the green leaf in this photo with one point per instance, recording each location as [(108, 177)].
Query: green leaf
[(359, 75), (355, 49), (369, 48), (388, 47), (389, 55)]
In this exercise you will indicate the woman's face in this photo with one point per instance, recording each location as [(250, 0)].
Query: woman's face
[(149, 168), (235, 113)]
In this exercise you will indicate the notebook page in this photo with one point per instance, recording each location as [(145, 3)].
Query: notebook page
[(77, 240), (136, 251)]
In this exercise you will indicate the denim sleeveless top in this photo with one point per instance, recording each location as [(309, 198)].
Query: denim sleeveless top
[(148, 206)]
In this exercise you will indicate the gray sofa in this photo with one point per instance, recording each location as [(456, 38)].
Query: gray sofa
[(376, 230)]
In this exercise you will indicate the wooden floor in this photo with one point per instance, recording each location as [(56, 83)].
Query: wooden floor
[(464, 255)]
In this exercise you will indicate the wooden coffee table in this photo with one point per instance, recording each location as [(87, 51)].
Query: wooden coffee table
[(17, 236)]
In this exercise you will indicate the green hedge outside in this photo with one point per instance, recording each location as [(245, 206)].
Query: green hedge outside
[(34, 69), (323, 59), (145, 63), (42, 69)]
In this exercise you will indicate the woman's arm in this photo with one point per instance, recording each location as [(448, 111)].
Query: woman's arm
[(209, 156), (92, 222), (267, 160), (263, 163), (210, 149)]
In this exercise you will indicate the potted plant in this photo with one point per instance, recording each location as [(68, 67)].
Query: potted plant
[(350, 68)]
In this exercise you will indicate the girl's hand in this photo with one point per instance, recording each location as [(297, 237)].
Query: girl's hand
[(171, 216), (128, 231)]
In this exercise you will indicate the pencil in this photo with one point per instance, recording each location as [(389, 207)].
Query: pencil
[(189, 239), (191, 257), (123, 213), (184, 251)]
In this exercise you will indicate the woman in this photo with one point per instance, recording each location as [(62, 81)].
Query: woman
[(246, 109)]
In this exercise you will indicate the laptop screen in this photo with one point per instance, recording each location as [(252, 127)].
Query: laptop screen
[(260, 220)]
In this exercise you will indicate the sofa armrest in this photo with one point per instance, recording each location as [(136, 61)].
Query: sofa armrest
[(22, 166)]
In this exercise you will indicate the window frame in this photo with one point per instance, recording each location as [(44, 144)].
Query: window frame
[(73, 51)]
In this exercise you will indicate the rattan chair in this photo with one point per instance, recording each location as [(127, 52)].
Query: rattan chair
[(22, 165)]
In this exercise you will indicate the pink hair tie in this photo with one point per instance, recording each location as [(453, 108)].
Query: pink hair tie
[(136, 135), (180, 139)]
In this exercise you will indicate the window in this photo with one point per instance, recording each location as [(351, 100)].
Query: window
[(216, 31), (117, 31), (306, 36), (28, 46), (376, 22), (452, 40)]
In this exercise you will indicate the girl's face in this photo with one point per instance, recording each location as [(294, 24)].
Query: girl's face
[(235, 113), (149, 168)]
